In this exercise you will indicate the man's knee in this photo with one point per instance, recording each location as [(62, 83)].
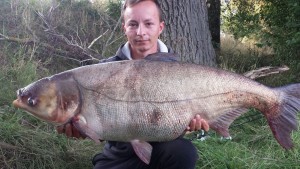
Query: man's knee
[(180, 147), (180, 153)]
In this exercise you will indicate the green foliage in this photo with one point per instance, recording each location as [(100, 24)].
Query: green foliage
[(272, 23), (17, 70), (283, 20), (114, 9), (241, 18)]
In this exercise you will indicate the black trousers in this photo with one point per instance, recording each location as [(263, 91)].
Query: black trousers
[(177, 154)]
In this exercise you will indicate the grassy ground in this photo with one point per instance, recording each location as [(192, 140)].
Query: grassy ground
[(26, 142)]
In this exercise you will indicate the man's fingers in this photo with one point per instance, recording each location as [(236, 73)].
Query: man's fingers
[(77, 134), (192, 125), (204, 125), (60, 129), (198, 122), (68, 130)]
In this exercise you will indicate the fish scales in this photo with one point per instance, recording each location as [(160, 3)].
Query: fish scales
[(155, 100)]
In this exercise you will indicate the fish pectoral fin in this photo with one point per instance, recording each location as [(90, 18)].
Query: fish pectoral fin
[(142, 149), (81, 125)]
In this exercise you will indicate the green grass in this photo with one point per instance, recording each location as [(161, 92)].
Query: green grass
[(28, 143), (16, 70)]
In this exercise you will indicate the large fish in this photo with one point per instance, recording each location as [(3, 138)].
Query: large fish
[(150, 100)]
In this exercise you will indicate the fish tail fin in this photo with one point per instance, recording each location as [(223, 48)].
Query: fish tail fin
[(292, 90), (282, 118)]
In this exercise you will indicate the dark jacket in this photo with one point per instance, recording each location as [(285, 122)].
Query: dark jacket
[(121, 56)]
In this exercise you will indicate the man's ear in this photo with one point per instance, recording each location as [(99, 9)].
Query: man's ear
[(161, 26)]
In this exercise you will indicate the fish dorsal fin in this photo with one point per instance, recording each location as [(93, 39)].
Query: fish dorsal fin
[(161, 56), (142, 149), (221, 124)]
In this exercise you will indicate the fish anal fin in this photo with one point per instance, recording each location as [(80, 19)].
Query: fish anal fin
[(222, 123), (142, 149), (221, 130), (81, 125)]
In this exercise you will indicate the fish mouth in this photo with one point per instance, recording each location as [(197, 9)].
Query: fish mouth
[(43, 116), (18, 104)]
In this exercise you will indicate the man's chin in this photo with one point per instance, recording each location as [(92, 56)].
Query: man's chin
[(142, 48)]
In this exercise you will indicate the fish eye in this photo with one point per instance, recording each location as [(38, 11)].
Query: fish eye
[(31, 102), (19, 92)]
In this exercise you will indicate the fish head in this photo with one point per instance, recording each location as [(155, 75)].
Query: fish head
[(55, 100)]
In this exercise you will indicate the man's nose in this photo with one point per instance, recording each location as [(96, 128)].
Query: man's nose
[(141, 30)]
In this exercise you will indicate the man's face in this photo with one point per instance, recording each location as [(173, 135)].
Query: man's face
[(142, 26)]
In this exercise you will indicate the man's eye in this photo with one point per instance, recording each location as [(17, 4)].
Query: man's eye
[(132, 25), (149, 24)]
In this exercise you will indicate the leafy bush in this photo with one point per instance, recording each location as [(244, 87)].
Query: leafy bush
[(272, 23)]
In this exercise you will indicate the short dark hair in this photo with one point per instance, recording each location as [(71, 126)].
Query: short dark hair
[(130, 3)]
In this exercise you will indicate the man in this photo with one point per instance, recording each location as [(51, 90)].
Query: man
[(142, 24)]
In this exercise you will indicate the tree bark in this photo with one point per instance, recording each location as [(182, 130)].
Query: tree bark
[(187, 30)]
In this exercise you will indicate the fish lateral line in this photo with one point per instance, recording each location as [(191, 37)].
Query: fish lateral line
[(170, 101)]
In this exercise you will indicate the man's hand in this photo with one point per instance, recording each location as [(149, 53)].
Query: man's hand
[(69, 130), (198, 123)]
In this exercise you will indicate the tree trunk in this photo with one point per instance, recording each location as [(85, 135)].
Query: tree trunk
[(214, 13), (187, 30)]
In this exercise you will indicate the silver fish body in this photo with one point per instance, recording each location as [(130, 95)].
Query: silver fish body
[(155, 100)]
